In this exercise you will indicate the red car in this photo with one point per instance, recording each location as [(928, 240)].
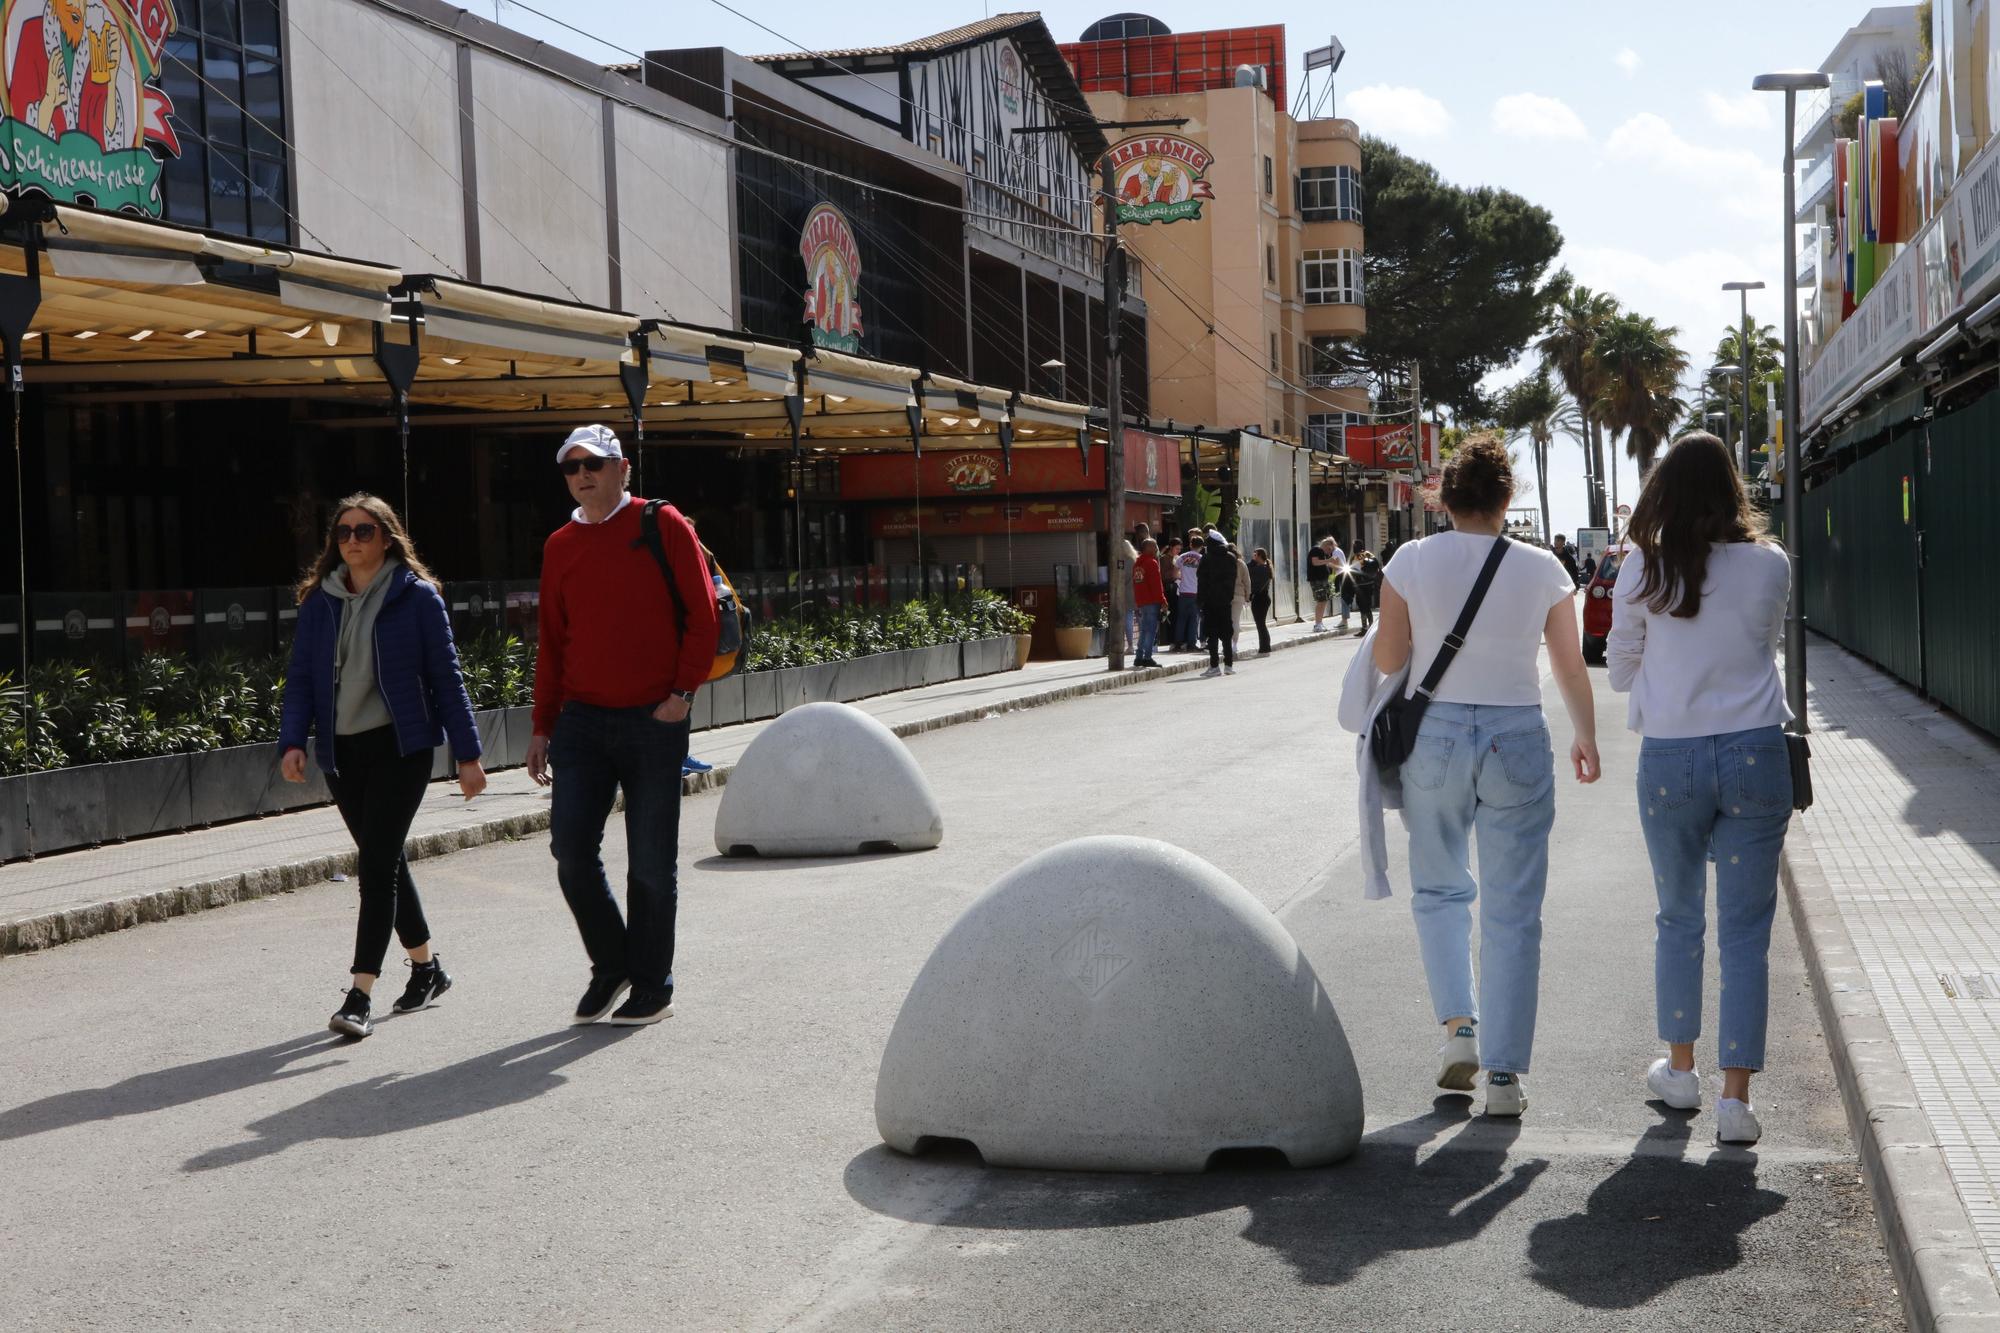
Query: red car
[(1597, 605)]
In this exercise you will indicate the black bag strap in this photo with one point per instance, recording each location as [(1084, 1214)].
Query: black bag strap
[(649, 534), (1456, 639)]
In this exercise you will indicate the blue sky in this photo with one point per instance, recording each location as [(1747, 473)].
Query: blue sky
[(1633, 125)]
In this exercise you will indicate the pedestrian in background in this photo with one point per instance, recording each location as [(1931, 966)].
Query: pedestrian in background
[(1170, 552), (374, 676), (1149, 596), (1241, 600), (1321, 566), (619, 660), (1567, 554), (1696, 614), (1187, 622), (1139, 534), (1217, 589), (1366, 585), (1482, 760), (1260, 597)]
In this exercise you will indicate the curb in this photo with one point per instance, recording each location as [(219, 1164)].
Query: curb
[(32, 934), (1941, 1270)]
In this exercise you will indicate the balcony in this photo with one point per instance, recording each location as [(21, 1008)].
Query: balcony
[(1343, 379), (1815, 187), (1808, 270), (1814, 109)]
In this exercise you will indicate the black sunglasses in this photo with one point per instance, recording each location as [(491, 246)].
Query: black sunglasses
[(571, 466), (359, 532)]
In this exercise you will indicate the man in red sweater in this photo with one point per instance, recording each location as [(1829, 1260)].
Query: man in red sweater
[(617, 668), (1149, 595)]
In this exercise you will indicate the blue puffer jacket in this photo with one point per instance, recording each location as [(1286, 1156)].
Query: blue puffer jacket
[(416, 668)]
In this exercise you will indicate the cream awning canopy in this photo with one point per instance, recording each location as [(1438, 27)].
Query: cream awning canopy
[(133, 309)]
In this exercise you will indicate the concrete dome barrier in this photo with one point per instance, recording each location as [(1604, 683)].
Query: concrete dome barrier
[(1117, 1004), (826, 780)]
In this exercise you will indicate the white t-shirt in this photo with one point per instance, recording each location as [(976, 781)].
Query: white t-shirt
[(1500, 663), (1717, 671)]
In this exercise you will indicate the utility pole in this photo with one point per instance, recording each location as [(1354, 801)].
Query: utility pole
[(1417, 443), (1119, 600)]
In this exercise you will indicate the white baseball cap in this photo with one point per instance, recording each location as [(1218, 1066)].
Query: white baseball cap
[(598, 440)]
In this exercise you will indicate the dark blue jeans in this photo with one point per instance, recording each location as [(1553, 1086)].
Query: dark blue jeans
[(1187, 621), (594, 752)]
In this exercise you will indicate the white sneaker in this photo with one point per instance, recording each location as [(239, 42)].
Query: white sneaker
[(1504, 1095), (1318, 628), (1229, 671), (1458, 1060), (1678, 1088), (1736, 1122), (1212, 671)]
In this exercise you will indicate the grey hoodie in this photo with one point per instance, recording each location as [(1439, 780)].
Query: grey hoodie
[(357, 703)]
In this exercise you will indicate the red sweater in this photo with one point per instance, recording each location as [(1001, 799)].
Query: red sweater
[(1147, 590), (610, 633)]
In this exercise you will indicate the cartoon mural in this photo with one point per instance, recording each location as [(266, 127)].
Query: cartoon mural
[(1159, 178), (833, 279), (84, 123)]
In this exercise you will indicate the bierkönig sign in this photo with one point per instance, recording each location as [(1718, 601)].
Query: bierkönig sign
[(1159, 178), (83, 122), (833, 279)]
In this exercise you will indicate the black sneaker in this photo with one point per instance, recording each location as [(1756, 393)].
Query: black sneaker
[(352, 1020), (427, 982), (598, 1000), (643, 1009)]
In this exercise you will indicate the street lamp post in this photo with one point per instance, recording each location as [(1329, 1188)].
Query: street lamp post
[(1743, 290), (1723, 373), (1791, 83)]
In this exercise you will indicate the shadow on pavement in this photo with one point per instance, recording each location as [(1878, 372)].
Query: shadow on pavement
[(392, 1103), (1658, 1220), (164, 1088), (730, 864), (1328, 1223)]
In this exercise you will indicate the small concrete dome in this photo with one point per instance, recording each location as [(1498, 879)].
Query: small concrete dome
[(1117, 1004), (826, 780)]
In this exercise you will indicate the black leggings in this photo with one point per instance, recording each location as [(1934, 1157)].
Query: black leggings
[(378, 792), (1218, 626), (1260, 607)]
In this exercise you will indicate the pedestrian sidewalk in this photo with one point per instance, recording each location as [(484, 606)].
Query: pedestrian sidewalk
[(1894, 875), (73, 895)]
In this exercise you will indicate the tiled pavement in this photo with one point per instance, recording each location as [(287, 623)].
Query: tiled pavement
[(76, 894), (1903, 842)]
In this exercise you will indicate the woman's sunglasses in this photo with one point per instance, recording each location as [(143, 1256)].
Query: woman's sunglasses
[(344, 533), (571, 466)]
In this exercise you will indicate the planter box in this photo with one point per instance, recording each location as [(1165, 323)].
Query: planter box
[(725, 701), (245, 780), (13, 818), (520, 730), (934, 666), (493, 743), (760, 696), (701, 710), (984, 657), (70, 808), (144, 796), (820, 684)]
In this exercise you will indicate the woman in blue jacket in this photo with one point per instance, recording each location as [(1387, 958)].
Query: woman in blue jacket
[(375, 677)]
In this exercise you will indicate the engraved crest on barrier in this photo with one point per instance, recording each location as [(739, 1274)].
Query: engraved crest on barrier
[(1091, 960)]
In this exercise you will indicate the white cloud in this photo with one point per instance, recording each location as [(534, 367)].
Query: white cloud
[(1533, 116), (1736, 180), (1392, 111), (1738, 111), (1628, 60)]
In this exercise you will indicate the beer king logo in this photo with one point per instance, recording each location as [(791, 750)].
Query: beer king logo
[(1398, 448), (1010, 78), (969, 472), (83, 122), (1159, 178), (833, 279)]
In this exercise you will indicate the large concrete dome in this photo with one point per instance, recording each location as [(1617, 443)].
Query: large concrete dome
[(1118, 1004), (826, 780)]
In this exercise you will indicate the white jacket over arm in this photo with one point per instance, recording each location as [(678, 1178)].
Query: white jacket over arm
[(1363, 694)]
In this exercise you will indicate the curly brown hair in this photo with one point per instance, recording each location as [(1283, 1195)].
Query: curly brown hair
[(400, 545), (1479, 477), (1693, 498)]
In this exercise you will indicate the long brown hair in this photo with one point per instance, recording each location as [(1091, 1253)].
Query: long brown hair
[(1693, 498), (400, 545)]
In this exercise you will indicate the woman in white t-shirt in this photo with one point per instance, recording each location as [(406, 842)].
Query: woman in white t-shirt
[(1483, 760), (1694, 638)]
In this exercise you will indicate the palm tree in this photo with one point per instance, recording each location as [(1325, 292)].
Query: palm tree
[(1537, 410), (1640, 369), (1566, 350), (1767, 366)]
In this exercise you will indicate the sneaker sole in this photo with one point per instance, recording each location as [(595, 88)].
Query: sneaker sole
[(616, 1022), (579, 1020), (1458, 1077), (1675, 1102), (348, 1028), (1512, 1112)]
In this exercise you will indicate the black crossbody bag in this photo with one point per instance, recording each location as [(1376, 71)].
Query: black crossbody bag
[(1394, 733)]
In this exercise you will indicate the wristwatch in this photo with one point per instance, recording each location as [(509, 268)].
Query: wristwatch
[(684, 694)]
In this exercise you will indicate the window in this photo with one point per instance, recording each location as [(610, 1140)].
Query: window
[(1327, 431), (1271, 264), (1270, 181), (1331, 277), (222, 71), (1329, 364), (1330, 194), (1274, 352)]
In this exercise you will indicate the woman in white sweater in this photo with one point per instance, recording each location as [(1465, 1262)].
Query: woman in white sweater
[(1694, 635)]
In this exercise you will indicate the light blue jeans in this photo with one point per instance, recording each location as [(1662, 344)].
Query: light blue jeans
[(1729, 795), (1490, 768)]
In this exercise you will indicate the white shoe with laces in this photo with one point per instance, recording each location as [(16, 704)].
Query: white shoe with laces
[(1678, 1088), (1458, 1060), (1736, 1122), (1504, 1095)]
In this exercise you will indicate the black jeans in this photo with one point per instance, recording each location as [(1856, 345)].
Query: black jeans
[(378, 792), (1260, 607), (1364, 602), (596, 751), (1219, 628)]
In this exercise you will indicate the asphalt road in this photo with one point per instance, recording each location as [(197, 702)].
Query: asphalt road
[(183, 1145)]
